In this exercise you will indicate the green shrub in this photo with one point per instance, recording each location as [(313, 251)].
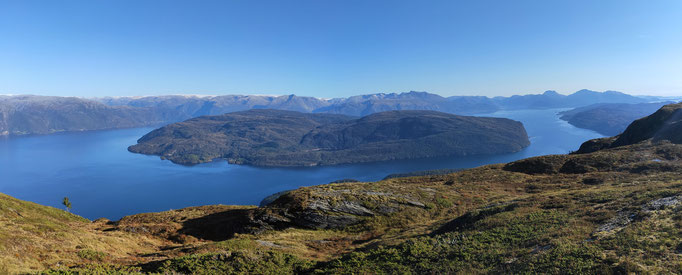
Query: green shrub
[(92, 255), (241, 262)]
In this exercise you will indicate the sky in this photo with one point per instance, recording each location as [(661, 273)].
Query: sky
[(327, 48)]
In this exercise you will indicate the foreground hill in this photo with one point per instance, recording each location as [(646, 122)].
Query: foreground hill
[(33, 237), (612, 211), (609, 119), (285, 138)]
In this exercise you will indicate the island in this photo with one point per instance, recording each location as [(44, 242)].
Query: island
[(265, 137)]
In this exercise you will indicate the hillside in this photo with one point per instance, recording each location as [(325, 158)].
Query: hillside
[(663, 125), (34, 237), (609, 119), (21, 115), (285, 138)]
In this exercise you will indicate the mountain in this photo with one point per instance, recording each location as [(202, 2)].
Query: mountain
[(471, 105), (585, 97), (44, 115), (184, 107), (368, 104), (192, 106), (609, 119), (614, 210), (287, 138), (178, 108), (552, 99), (665, 125)]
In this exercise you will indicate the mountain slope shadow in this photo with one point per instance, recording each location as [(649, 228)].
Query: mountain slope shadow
[(218, 226)]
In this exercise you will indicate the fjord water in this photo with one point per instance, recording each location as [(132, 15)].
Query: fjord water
[(102, 179)]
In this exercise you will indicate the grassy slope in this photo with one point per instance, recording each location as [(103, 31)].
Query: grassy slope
[(591, 213), (35, 237), (487, 220)]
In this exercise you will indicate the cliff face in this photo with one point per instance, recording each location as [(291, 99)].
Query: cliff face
[(283, 138)]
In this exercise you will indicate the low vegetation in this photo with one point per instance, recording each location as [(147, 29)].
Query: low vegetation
[(35, 237)]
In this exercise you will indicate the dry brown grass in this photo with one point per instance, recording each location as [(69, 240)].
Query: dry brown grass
[(35, 237)]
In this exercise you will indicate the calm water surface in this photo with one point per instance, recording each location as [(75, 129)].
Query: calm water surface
[(103, 179)]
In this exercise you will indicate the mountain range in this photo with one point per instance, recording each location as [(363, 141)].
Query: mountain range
[(193, 106), (42, 115)]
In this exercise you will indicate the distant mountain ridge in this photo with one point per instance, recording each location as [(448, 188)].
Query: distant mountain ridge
[(43, 115), (552, 99), (372, 103), (287, 138)]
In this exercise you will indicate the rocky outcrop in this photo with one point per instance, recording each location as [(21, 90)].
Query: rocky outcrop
[(321, 207), (625, 217)]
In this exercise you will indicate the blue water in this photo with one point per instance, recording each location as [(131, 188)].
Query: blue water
[(103, 179)]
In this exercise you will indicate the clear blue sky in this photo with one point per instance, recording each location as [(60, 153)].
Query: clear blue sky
[(339, 48)]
